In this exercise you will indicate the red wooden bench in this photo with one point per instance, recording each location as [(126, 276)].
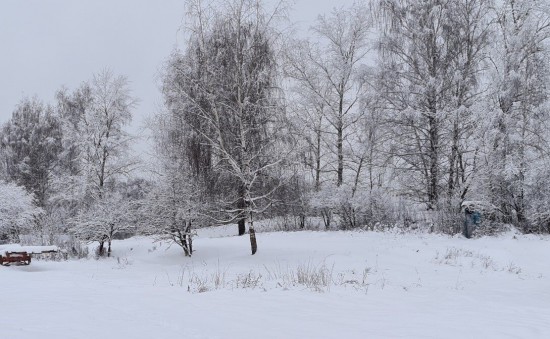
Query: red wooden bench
[(21, 255), (18, 258)]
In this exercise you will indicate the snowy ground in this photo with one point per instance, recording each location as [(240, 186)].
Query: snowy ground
[(298, 285)]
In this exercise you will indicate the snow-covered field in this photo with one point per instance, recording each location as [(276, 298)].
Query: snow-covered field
[(298, 285)]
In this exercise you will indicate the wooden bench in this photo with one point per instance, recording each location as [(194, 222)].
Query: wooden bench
[(22, 255), (18, 258)]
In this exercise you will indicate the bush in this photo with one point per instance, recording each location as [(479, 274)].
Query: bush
[(366, 209), (539, 223), (448, 219)]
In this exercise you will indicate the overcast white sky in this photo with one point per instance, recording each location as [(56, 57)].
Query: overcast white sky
[(46, 44)]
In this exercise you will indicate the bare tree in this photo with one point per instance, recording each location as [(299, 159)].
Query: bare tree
[(472, 19), (430, 57), (106, 154), (177, 204), (171, 211), (103, 220), (328, 81), (96, 146), (518, 132), (227, 93)]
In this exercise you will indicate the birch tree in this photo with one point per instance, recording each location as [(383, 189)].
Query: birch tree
[(431, 53), (96, 146), (228, 83), (325, 70), (519, 128), (471, 21)]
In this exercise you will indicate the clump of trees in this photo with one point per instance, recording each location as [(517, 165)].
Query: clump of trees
[(70, 156), (226, 111), (389, 113)]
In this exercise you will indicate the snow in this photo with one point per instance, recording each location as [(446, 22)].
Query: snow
[(381, 285), (28, 249)]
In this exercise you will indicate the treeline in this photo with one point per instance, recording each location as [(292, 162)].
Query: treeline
[(70, 158), (395, 113)]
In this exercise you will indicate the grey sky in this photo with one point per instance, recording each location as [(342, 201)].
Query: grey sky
[(46, 44)]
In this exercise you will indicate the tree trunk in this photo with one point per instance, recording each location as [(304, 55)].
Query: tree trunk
[(318, 158), (242, 226), (433, 134), (340, 151), (249, 214), (101, 249), (185, 246), (453, 168), (241, 223), (357, 176), (327, 217), (253, 243), (189, 238), (110, 238)]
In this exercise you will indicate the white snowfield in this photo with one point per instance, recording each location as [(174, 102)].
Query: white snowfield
[(298, 285)]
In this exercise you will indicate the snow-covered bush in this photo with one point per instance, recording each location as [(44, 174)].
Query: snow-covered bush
[(539, 211), (103, 220), (170, 212), (291, 206), (450, 219), (369, 209), (325, 202), (18, 213), (377, 209), (541, 222), (447, 219)]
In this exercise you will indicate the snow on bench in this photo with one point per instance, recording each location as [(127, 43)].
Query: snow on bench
[(5, 249)]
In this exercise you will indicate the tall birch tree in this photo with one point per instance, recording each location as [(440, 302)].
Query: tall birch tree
[(226, 91)]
